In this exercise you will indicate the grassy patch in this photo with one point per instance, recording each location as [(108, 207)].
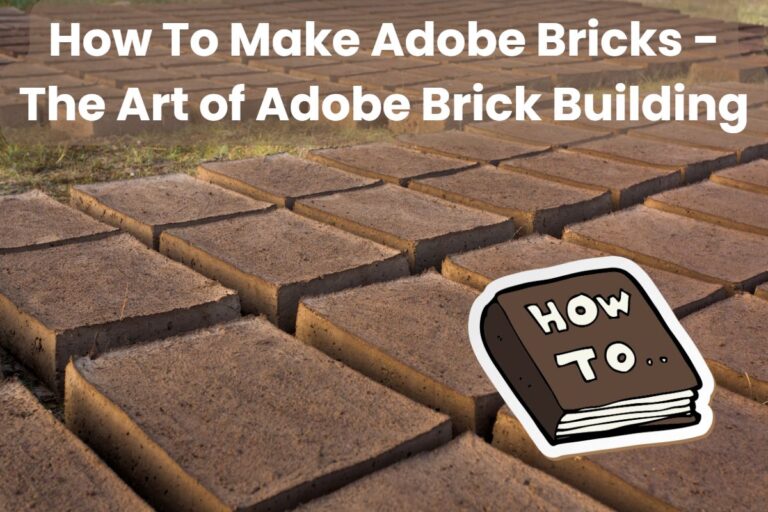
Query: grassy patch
[(52, 167)]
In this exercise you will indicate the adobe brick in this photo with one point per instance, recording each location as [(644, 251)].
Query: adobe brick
[(678, 244), (384, 331), (188, 442), (280, 179), (730, 463), (746, 147), (104, 294), (424, 227), (273, 259), (533, 132), (479, 267), (388, 162), (719, 204), (752, 177), (145, 207), (45, 467), (695, 163), (628, 183), (469, 146), (33, 220), (535, 204), (731, 337), (465, 473)]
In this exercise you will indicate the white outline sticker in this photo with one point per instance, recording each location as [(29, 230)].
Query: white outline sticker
[(609, 442)]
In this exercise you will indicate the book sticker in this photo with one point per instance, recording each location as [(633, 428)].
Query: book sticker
[(590, 357)]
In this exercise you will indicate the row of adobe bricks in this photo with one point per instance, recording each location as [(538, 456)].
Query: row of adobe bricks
[(245, 414)]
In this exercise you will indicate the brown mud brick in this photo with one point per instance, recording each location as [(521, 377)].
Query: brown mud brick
[(390, 333), (469, 146), (465, 474), (12, 85), (614, 126), (119, 293), (274, 259), (628, 183), (273, 424), (479, 267), (89, 66), (14, 111), (24, 69), (424, 227), (752, 177), (757, 94), (678, 244), (332, 72), (279, 178), (147, 206), (747, 147), (535, 204), (695, 163), (225, 69), (265, 79), (762, 291), (390, 79), (388, 162), (33, 220), (287, 64), (732, 337), (131, 78), (534, 132), (725, 470), (45, 467), (727, 206), (752, 68)]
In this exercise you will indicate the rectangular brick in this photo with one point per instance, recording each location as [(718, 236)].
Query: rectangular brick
[(133, 77), (332, 72), (33, 220), (753, 68), (732, 337), (145, 207), (628, 183), (24, 69), (273, 424), (384, 331), (752, 176), (719, 204), (14, 112), (746, 147), (465, 473), (279, 178), (730, 464), (535, 204), (695, 163), (274, 259), (45, 467), (388, 162), (672, 242), (424, 227), (469, 146), (104, 294), (479, 267), (536, 132), (390, 79)]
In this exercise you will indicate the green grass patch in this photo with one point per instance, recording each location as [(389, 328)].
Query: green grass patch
[(52, 167)]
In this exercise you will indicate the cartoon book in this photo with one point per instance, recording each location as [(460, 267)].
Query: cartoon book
[(589, 354)]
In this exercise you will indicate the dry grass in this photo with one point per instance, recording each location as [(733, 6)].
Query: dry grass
[(52, 167)]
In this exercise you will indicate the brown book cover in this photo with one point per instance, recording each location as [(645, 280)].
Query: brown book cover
[(590, 354)]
